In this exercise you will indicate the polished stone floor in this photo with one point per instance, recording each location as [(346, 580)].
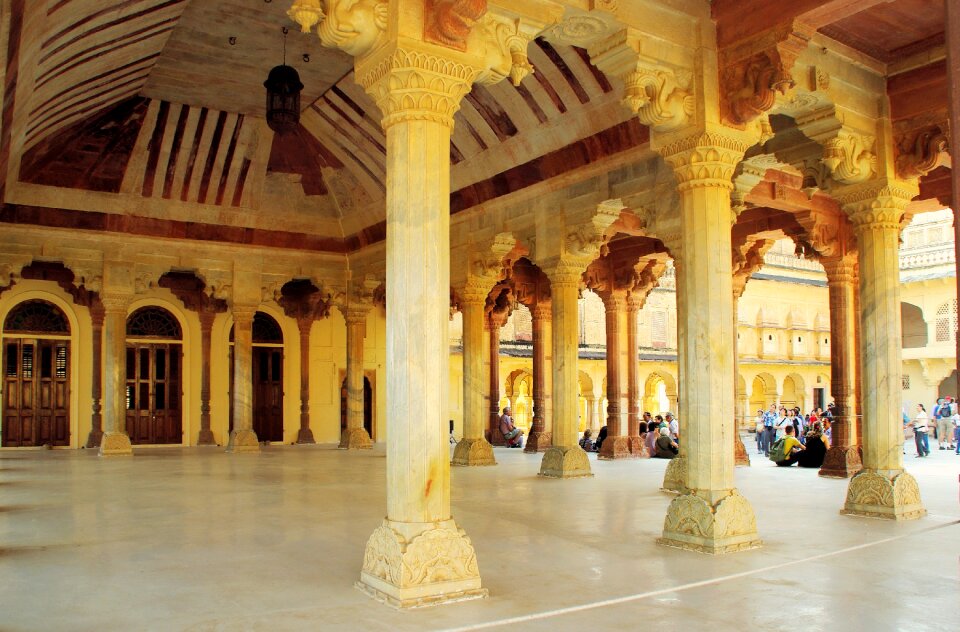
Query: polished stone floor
[(196, 539)]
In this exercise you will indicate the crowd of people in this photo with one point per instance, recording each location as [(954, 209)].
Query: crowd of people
[(660, 434), (943, 424), (787, 436)]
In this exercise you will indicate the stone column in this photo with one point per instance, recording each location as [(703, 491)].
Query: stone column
[(565, 458), (541, 435), (637, 447), (473, 448), (206, 327), (418, 555), (115, 441), (882, 489), (493, 385), (616, 445), (305, 434), (843, 458), (355, 436), (710, 515), (243, 438), (740, 456), (96, 377), (675, 475), (952, 16)]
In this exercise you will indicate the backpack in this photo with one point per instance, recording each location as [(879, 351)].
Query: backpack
[(945, 412), (777, 451)]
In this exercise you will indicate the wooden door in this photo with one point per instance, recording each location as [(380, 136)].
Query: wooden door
[(36, 406), (268, 393), (153, 393)]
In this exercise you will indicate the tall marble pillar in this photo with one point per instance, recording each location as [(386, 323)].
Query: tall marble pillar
[(305, 434), (115, 441), (565, 458), (205, 437), (493, 385), (637, 446), (473, 448), (418, 554), (882, 489), (541, 434), (617, 444), (96, 377), (675, 475), (740, 456), (243, 438), (355, 436), (843, 458), (952, 16), (710, 516)]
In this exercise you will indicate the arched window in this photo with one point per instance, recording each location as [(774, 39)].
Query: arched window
[(266, 330), (37, 317), (153, 322), (946, 321)]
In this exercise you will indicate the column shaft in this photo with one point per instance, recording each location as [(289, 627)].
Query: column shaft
[(843, 458), (953, 96), (305, 434), (243, 438), (355, 436), (541, 434), (473, 448), (205, 437), (115, 441), (493, 386), (96, 377), (633, 381), (740, 456), (616, 445)]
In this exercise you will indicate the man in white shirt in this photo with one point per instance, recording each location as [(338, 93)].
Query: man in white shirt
[(674, 426)]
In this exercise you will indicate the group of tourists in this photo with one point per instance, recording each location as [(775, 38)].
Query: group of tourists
[(659, 433), (943, 423), (787, 436)]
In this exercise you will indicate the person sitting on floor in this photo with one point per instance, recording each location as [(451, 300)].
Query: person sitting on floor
[(650, 439), (511, 434), (815, 449), (791, 448), (666, 448), (587, 442), (601, 437)]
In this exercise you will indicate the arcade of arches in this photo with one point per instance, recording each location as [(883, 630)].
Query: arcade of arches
[(172, 270)]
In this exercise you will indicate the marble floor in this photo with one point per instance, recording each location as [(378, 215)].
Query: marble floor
[(196, 539)]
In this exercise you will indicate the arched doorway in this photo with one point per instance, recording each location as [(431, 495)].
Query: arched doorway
[(659, 391), (758, 396), (948, 387), (367, 407), (267, 378), (154, 377), (36, 375)]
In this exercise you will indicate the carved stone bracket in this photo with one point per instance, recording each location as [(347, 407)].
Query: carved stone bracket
[(754, 71), (660, 96), (920, 151), (448, 22), (747, 259)]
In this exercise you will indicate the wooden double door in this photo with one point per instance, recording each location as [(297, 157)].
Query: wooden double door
[(154, 396), (267, 392), (36, 392)]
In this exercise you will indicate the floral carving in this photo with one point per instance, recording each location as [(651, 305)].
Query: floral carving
[(874, 495), (441, 553), (707, 160), (693, 523), (353, 26), (448, 22)]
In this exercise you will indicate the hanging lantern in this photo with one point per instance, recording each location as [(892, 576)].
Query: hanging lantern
[(283, 98), (283, 95)]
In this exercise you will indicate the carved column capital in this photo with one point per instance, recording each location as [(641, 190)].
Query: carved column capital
[(116, 303), (410, 84), (704, 160), (243, 315), (878, 204), (840, 269)]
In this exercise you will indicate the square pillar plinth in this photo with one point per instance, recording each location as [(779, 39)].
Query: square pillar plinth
[(873, 494), (471, 452), (675, 476), (565, 462), (694, 524), (115, 444), (418, 564)]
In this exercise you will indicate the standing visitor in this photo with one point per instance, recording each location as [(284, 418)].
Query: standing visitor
[(920, 432), (945, 426)]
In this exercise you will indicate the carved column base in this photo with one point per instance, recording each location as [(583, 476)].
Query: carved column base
[(538, 442), (841, 462), (615, 448), (561, 462), (875, 495), (473, 452), (94, 439), (675, 478), (740, 451), (115, 444), (638, 448), (305, 436), (416, 564), (355, 439), (694, 524), (206, 438), (243, 441)]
